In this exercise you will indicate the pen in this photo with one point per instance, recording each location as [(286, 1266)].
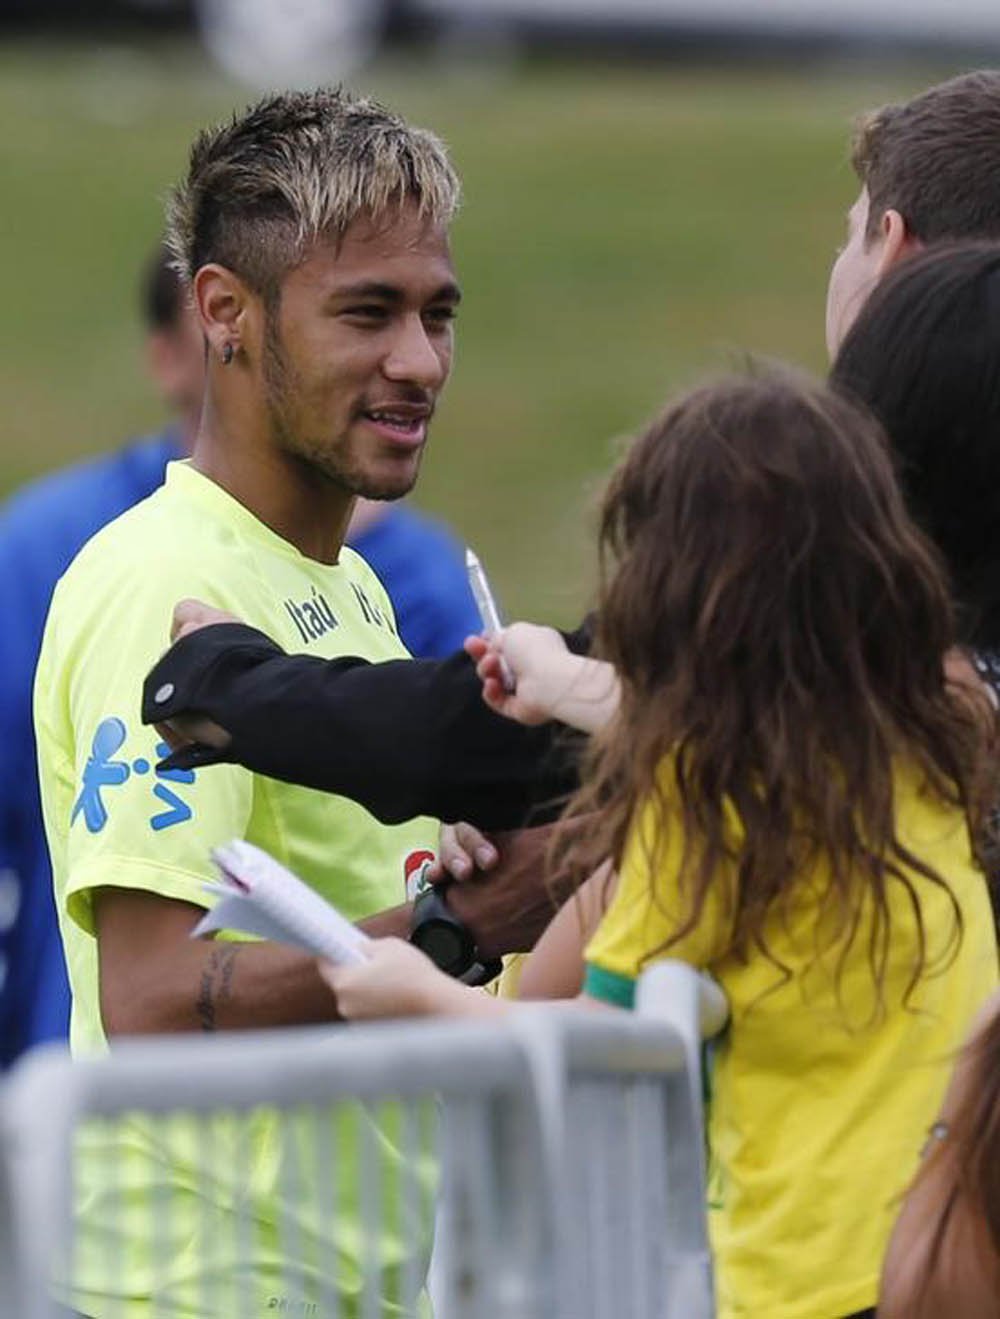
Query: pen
[(488, 611)]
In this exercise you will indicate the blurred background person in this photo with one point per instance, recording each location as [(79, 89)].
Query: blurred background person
[(422, 566), (929, 170), (42, 528)]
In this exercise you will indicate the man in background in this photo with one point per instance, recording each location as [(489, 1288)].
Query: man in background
[(42, 528), (422, 566), (929, 170)]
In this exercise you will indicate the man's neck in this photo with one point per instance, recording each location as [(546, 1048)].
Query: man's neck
[(295, 501)]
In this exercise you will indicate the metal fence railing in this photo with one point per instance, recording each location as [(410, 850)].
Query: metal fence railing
[(300, 1172)]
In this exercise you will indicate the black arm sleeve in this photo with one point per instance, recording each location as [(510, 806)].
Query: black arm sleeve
[(403, 738)]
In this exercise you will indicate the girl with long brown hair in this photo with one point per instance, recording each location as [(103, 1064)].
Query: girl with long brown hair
[(784, 786)]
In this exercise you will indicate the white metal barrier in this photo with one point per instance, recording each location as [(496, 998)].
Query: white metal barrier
[(565, 1151)]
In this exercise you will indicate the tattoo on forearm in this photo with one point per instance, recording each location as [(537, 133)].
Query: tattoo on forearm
[(216, 986)]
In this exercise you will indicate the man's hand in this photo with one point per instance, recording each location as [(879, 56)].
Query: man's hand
[(189, 729), (462, 850), (507, 907), (502, 891), (193, 730), (190, 615)]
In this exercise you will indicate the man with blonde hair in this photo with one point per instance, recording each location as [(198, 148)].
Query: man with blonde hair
[(312, 231)]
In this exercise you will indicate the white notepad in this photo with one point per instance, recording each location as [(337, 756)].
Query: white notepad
[(258, 895)]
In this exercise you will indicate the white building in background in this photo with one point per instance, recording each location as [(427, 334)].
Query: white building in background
[(308, 41), (948, 20)]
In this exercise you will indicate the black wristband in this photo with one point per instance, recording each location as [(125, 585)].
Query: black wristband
[(446, 940)]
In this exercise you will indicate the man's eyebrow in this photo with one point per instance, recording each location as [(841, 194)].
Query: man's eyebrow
[(448, 292)]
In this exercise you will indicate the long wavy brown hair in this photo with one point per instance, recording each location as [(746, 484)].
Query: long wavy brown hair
[(778, 626)]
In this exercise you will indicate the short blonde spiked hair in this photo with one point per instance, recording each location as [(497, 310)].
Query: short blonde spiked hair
[(294, 168)]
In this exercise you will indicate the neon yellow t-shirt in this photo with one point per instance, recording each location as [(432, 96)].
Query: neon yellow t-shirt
[(111, 819), (817, 1111)]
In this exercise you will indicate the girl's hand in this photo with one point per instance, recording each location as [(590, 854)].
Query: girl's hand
[(539, 663), (397, 980), (550, 681)]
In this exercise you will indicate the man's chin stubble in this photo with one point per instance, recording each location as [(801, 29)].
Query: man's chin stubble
[(384, 487), (352, 478), (382, 491)]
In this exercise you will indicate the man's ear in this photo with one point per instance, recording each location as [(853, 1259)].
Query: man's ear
[(897, 241), (225, 307)]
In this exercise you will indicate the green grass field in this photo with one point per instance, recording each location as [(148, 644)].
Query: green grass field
[(625, 231)]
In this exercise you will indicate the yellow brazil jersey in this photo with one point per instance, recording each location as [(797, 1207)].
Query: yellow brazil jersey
[(819, 1103), (113, 819)]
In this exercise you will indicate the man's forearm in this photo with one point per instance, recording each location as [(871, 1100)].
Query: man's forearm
[(242, 986), (189, 985), (245, 986)]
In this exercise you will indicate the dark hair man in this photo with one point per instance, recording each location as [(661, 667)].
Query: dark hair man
[(930, 172), (313, 233), (42, 528)]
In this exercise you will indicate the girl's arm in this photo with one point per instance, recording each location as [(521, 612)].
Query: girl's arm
[(554, 968)]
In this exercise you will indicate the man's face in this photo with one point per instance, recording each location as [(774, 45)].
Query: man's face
[(855, 273), (175, 358), (358, 351)]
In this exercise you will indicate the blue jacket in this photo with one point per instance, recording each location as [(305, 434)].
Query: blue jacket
[(42, 528), (422, 566)]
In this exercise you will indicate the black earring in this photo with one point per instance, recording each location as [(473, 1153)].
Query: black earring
[(227, 354)]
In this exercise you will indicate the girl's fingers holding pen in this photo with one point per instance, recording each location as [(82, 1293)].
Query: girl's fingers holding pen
[(476, 647)]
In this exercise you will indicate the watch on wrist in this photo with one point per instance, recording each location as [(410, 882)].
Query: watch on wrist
[(447, 941)]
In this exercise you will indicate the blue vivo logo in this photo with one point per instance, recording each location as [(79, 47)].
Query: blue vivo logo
[(103, 774)]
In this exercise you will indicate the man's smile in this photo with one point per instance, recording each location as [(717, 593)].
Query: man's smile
[(400, 422)]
